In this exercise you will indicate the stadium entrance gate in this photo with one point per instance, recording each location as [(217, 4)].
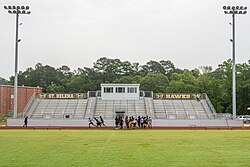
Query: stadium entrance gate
[(120, 114)]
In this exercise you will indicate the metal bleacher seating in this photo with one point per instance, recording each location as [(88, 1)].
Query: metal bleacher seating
[(55, 108), (77, 108), (182, 109), (108, 108)]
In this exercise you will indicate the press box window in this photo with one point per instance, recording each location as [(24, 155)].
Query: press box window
[(108, 90), (132, 90), (120, 90)]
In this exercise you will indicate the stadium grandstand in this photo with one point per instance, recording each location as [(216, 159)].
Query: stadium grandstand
[(166, 109)]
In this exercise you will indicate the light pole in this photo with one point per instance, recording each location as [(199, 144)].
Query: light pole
[(233, 10), (17, 10)]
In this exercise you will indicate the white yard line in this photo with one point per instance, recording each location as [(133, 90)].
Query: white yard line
[(104, 146)]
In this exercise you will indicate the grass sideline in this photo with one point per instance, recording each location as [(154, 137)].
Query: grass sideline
[(126, 148)]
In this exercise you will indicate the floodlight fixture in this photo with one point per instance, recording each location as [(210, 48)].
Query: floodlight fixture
[(234, 10), (17, 8)]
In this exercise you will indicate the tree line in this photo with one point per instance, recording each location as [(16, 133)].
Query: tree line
[(157, 76)]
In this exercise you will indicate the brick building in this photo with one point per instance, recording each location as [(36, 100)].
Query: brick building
[(7, 98)]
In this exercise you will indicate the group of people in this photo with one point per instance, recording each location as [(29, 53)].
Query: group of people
[(96, 122), (128, 122), (131, 122)]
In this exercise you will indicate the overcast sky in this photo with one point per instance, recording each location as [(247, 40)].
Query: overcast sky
[(190, 33)]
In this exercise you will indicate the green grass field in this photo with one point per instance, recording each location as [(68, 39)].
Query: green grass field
[(126, 148)]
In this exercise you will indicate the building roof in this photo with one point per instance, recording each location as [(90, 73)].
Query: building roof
[(27, 87), (110, 84)]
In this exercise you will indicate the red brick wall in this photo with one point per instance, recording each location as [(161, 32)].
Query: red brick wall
[(7, 97)]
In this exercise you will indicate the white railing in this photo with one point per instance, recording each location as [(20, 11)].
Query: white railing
[(210, 105), (28, 104)]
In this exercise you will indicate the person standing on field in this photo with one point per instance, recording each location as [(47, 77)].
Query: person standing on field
[(25, 121), (91, 122), (139, 121), (150, 122), (102, 121), (121, 123), (116, 121), (98, 123)]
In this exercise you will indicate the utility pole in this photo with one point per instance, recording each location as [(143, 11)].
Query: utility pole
[(233, 10), (17, 10)]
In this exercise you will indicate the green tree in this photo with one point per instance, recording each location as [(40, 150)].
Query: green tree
[(109, 68), (155, 76), (243, 88), (224, 74), (152, 66), (154, 82), (55, 88), (3, 81), (128, 80), (183, 83), (42, 76), (170, 68), (213, 88)]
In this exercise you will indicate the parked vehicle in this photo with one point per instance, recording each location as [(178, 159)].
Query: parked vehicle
[(244, 117)]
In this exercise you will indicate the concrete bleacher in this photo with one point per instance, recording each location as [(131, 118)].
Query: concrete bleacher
[(108, 108), (126, 99), (77, 108), (55, 108), (75, 112), (182, 109)]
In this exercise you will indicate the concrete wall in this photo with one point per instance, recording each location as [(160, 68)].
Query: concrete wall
[(156, 122)]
